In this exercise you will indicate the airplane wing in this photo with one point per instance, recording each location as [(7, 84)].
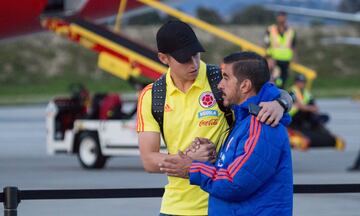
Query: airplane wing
[(326, 14)]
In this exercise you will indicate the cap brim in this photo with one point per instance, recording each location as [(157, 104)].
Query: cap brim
[(184, 55), (300, 80)]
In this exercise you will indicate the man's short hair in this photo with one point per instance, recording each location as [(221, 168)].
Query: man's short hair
[(249, 65), (281, 13)]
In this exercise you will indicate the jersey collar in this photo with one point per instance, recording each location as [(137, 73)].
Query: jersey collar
[(199, 81)]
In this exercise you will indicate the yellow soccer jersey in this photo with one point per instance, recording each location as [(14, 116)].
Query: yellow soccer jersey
[(186, 116)]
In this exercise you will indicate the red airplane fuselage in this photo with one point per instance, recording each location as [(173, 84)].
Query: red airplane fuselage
[(19, 17)]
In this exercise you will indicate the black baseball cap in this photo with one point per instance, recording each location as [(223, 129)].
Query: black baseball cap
[(179, 40), (300, 78)]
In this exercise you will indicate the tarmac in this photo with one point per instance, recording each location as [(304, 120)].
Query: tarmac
[(24, 163)]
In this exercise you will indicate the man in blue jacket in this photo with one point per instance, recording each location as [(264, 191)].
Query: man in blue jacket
[(253, 171)]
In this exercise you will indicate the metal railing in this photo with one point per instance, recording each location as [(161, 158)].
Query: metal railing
[(12, 196)]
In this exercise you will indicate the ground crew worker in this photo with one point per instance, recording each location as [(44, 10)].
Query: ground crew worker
[(307, 119), (280, 41), (253, 173), (190, 110), (305, 111)]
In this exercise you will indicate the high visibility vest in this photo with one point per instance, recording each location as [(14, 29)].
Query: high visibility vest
[(303, 97), (280, 45)]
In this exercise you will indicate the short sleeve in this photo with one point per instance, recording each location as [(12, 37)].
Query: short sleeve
[(145, 119)]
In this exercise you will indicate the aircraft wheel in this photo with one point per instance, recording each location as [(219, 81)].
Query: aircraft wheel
[(89, 153)]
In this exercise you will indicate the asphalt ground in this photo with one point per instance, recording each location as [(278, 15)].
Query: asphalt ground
[(24, 163)]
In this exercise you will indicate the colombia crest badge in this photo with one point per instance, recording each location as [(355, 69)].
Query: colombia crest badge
[(207, 100)]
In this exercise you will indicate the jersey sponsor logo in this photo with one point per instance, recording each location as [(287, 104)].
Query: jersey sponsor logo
[(207, 99), (208, 113), (167, 108), (207, 123)]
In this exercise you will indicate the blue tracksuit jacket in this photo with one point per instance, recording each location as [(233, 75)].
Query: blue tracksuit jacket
[(253, 172)]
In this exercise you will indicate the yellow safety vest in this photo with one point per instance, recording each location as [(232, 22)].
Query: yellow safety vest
[(303, 97), (280, 46)]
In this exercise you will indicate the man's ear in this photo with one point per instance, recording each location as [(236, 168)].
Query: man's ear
[(245, 86), (163, 58)]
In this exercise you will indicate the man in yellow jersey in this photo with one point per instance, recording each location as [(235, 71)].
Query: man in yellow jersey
[(190, 110), (280, 42)]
